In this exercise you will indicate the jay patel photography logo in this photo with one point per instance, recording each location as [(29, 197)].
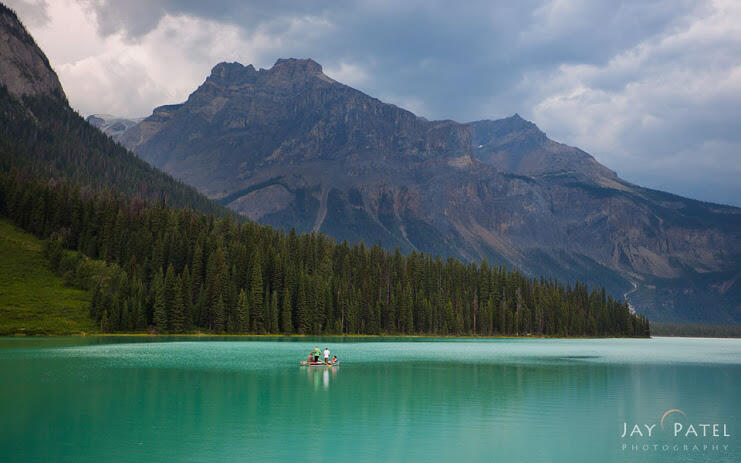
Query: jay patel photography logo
[(674, 432)]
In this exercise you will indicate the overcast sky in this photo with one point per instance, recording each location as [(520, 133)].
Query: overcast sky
[(652, 89)]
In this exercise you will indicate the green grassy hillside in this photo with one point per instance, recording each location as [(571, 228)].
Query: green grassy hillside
[(33, 300)]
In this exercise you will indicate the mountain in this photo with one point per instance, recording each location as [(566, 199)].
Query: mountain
[(518, 146), (113, 126), (290, 147), (24, 69), (167, 266), (41, 135)]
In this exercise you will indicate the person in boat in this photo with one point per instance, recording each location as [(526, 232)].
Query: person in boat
[(316, 353), (334, 359), (326, 355)]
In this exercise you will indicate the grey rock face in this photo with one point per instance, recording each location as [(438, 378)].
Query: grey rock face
[(290, 147), (24, 69)]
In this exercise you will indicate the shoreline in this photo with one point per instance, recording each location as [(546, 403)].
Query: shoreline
[(300, 336)]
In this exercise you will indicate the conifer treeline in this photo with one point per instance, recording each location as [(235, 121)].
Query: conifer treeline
[(45, 137), (181, 270)]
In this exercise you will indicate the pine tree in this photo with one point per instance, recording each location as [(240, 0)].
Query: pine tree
[(219, 312), (303, 322), (243, 312), (304, 283), (286, 319), (503, 315), (199, 310), (171, 291), (215, 289), (256, 295), (406, 321), (141, 319), (160, 306), (197, 273), (177, 312), (274, 313), (187, 297), (267, 305), (105, 326)]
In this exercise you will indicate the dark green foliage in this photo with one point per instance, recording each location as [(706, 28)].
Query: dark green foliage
[(219, 316), (187, 299), (33, 297), (177, 309), (44, 137), (243, 313), (159, 308), (274, 313), (156, 253), (286, 318), (303, 319), (325, 287), (257, 304)]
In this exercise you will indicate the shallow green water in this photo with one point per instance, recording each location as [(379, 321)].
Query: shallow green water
[(134, 399)]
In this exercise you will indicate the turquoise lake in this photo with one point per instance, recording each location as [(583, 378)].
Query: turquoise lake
[(241, 399)]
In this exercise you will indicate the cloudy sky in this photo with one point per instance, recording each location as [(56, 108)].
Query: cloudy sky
[(651, 88)]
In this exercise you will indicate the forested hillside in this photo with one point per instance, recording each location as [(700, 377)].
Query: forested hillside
[(156, 254), (180, 270), (289, 147), (44, 137)]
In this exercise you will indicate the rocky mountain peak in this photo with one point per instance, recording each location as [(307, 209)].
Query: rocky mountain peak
[(293, 66), (284, 73), (508, 126), (231, 73), (24, 69), (514, 144), (292, 71), (290, 147)]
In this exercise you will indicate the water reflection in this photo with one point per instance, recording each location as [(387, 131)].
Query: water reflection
[(319, 377), (222, 401)]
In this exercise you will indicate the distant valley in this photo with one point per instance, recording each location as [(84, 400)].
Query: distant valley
[(113, 126)]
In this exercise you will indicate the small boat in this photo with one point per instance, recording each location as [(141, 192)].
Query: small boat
[(319, 364)]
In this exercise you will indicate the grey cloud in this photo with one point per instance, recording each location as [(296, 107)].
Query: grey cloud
[(489, 59), (31, 13), (138, 17)]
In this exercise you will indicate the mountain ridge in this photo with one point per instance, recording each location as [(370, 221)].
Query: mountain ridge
[(24, 69), (157, 255), (290, 147), (42, 136)]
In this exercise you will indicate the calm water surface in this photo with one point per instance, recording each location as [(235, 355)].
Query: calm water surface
[(231, 399)]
